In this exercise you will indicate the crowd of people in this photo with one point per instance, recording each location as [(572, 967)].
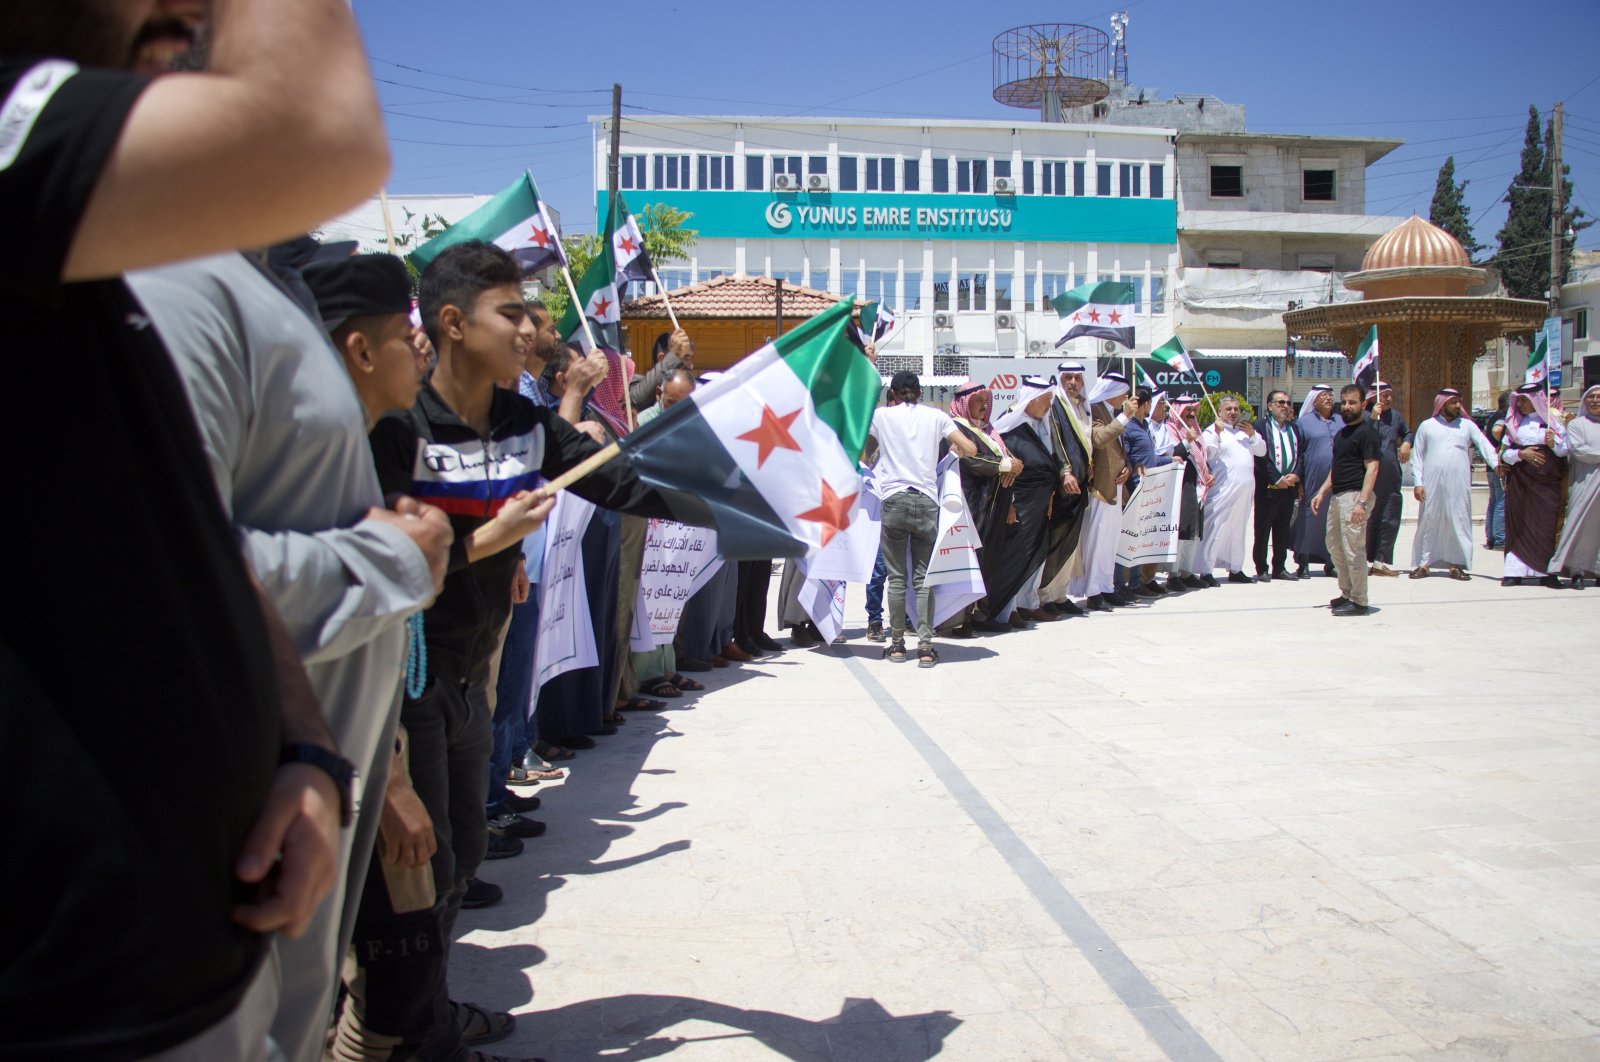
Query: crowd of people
[(313, 527)]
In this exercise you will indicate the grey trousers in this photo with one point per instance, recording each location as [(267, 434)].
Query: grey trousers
[(910, 526)]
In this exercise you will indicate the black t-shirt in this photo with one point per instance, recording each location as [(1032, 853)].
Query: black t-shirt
[(1353, 446), (139, 718)]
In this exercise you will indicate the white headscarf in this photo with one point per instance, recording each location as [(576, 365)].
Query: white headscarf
[(1111, 385), (1015, 414), (1311, 398)]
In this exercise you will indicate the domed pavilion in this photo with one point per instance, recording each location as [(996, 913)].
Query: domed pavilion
[(1413, 284)]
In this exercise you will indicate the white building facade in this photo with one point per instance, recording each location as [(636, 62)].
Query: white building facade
[(964, 228)]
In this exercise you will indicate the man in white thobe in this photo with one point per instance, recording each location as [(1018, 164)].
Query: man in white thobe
[(1232, 445), (1441, 463)]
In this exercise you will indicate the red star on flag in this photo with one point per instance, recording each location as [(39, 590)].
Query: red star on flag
[(1115, 318), (771, 434), (1094, 315), (540, 237), (602, 307), (1076, 315), (833, 513), (626, 243)]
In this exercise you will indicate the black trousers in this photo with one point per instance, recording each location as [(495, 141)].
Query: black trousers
[(750, 609), (1274, 517), (1383, 527)]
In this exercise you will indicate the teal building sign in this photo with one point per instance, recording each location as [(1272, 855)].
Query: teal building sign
[(916, 216)]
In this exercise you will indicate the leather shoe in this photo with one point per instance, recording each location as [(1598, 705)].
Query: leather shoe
[(1119, 599), (1155, 588), (1552, 581), (1239, 577), (1339, 602), (1067, 608), (989, 626), (1209, 580), (1303, 572), (765, 642), (1350, 608), (1263, 577), (1039, 615), (520, 803), (1193, 582), (719, 661), (481, 894), (732, 652), (1286, 574), (1021, 621), (1097, 603), (691, 663)]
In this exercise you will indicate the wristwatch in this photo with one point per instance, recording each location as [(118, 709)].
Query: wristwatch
[(345, 777)]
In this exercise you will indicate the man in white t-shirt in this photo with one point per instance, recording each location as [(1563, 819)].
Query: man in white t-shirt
[(909, 435)]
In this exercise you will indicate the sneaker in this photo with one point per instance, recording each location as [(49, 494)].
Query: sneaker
[(519, 804), (875, 632), (481, 894), (513, 825), (1339, 602), (502, 847), (1350, 608)]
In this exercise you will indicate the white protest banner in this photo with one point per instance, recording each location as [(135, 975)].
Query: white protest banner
[(678, 560), (848, 558), (1150, 519), (639, 637), (566, 633), (823, 600)]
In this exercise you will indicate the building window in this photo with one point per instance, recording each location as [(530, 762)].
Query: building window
[(880, 286), (1130, 178), (1318, 186), (1002, 167), (819, 277), (971, 291), (1580, 325), (1102, 178), (1137, 284), (716, 173), (1054, 178), (1158, 294), (817, 164), (941, 175), (1002, 291), (972, 175), (847, 173), (849, 283), (913, 173), (913, 290), (1078, 187), (880, 175), (1227, 182), (631, 171), (1223, 260), (1054, 284), (789, 164), (1319, 263), (755, 173), (1158, 180), (941, 291), (712, 274), (672, 171), (1027, 177)]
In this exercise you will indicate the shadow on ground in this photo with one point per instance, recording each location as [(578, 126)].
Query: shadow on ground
[(630, 1027)]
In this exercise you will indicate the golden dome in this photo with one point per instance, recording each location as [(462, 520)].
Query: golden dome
[(1414, 243)]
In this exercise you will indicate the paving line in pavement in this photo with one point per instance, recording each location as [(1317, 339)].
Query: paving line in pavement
[(1166, 1026)]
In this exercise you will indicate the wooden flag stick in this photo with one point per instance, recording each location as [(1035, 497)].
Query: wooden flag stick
[(577, 304), (582, 468), (663, 288)]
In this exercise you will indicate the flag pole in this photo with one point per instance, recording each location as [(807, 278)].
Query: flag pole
[(577, 303), (663, 288), (582, 468)]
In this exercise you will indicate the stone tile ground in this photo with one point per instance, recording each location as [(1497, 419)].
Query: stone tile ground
[(1312, 838)]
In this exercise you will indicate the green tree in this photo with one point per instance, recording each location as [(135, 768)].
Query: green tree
[(1449, 210), (1206, 413), (666, 239), (1523, 259)]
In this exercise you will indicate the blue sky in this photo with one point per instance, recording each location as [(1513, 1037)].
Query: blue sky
[(476, 90)]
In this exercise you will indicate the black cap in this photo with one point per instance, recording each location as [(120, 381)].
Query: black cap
[(361, 286), (905, 380)]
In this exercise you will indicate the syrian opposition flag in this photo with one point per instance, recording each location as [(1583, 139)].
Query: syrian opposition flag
[(627, 245), (1366, 370), (515, 220), (1539, 361), (1103, 310), (767, 452), (601, 304), (877, 321), (1143, 379), (1174, 355)]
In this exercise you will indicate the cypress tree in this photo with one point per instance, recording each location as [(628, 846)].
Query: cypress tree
[(1524, 271), (1449, 210)]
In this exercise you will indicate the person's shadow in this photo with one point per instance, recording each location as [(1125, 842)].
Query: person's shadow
[(629, 1027)]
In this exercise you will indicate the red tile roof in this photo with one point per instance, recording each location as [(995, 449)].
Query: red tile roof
[(733, 296)]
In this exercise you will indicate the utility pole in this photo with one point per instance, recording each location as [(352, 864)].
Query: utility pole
[(1557, 235), (614, 165), (777, 319)]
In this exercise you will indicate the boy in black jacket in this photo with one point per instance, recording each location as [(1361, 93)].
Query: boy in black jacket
[(481, 453)]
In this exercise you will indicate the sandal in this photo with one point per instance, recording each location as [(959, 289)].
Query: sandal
[(635, 704), (659, 687), (895, 653), (546, 751), (685, 685), (615, 718), (1460, 575), (479, 1026), (926, 657)]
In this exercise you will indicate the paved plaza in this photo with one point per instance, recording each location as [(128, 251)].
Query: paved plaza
[(1228, 825)]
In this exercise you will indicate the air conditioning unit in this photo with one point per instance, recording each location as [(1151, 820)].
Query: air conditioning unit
[(785, 182), (941, 320), (1004, 322), (817, 182), (1109, 346), (1037, 346), (1005, 186)]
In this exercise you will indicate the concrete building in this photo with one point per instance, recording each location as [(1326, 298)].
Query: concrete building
[(412, 218)]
